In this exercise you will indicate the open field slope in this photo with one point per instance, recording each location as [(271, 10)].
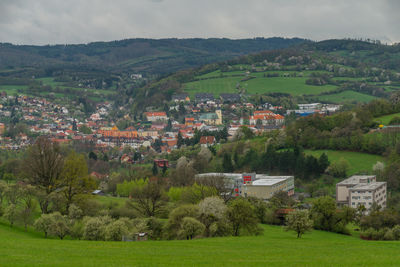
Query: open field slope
[(387, 118), (275, 248), (346, 96), (359, 162)]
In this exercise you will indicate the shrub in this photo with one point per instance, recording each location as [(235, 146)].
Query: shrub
[(190, 228), (76, 230), (58, 225), (115, 230), (396, 232), (43, 223), (94, 229), (389, 235)]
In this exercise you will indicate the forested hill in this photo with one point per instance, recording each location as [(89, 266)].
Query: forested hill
[(330, 71), (145, 56)]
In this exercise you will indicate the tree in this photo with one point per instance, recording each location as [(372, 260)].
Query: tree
[(85, 129), (43, 224), (211, 209), (11, 213), (115, 231), (227, 165), (155, 168), (190, 227), (299, 221), (43, 166), (175, 219), (92, 155), (94, 228), (180, 141), (58, 225), (242, 216), (323, 163), (28, 206), (339, 168), (149, 199), (74, 179)]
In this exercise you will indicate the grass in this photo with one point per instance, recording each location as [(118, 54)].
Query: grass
[(215, 86), (347, 96), (12, 89), (275, 248), (290, 85), (387, 118), (359, 162)]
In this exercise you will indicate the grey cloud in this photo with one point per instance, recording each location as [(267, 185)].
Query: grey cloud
[(77, 21)]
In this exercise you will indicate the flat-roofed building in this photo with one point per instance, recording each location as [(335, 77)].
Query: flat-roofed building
[(361, 190), (255, 185), (342, 188), (367, 194), (266, 186)]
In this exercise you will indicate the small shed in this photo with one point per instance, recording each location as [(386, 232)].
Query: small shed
[(141, 236)]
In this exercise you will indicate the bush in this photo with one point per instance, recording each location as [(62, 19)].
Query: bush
[(339, 168), (58, 225), (389, 235), (190, 228), (175, 219), (115, 230), (396, 232), (76, 230), (94, 229), (43, 223), (221, 228), (155, 227)]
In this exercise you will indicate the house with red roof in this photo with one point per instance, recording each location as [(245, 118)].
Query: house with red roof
[(207, 141), (156, 116)]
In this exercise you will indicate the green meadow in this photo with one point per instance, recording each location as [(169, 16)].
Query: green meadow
[(359, 162), (275, 248), (387, 118), (346, 96)]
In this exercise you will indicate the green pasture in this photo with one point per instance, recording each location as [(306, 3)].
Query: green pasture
[(275, 248), (359, 162), (387, 118), (346, 96)]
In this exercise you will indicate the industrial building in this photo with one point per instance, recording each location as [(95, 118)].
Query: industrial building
[(255, 185)]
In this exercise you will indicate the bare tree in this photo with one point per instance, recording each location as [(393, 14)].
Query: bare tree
[(43, 166), (149, 199)]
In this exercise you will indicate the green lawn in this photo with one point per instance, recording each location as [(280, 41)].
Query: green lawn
[(387, 118), (346, 96), (359, 162), (275, 248)]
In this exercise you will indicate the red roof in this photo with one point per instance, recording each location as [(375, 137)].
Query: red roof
[(154, 114), (204, 140)]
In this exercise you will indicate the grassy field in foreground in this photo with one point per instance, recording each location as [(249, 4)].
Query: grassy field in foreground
[(359, 162), (275, 248), (386, 119)]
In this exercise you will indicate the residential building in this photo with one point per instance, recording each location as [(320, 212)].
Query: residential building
[(361, 190), (212, 118), (156, 116), (207, 141)]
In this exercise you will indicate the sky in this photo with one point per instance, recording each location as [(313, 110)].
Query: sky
[(42, 22)]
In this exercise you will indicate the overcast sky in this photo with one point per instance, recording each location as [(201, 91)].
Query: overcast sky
[(83, 21)]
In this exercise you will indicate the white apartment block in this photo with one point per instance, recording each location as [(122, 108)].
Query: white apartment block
[(361, 190)]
